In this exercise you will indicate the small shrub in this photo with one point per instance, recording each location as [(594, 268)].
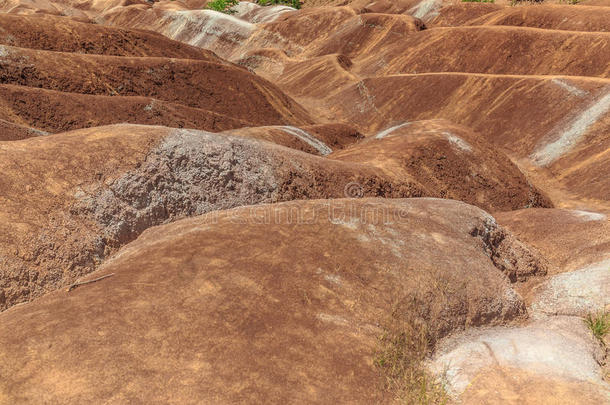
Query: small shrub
[(515, 2), (224, 6), (599, 324), (292, 3)]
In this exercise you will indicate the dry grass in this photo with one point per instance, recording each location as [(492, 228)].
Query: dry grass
[(403, 347)]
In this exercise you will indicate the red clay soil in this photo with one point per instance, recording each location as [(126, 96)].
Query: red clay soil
[(63, 34), (456, 14), (482, 102), (252, 305), (316, 78), (227, 284), (516, 51), (332, 75), (569, 239), (555, 17), (316, 139), (87, 205), (225, 89), (363, 34), (80, 10), (590, 161), (14, 132), (56, 111), (194, 83), (450, 162), (486, 103), (78, 208)]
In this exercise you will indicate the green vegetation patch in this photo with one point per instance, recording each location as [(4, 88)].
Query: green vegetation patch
[(224, 6), (599, 324)]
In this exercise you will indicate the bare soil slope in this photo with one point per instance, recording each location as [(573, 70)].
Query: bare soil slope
[(450, 161), (255, 305), (78, 209)]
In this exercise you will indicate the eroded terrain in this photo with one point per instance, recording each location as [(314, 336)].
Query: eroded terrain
[(354, 202)]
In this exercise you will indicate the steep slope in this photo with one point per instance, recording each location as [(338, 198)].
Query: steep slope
[(57, 111), (567, 136)]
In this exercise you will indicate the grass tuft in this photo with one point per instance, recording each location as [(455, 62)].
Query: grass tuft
[(403, 348), (599, 324)]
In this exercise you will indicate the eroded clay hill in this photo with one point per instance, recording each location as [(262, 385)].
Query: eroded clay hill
[(62, 214), (379, 64), (268, 304), (82, 75), (173, 226)]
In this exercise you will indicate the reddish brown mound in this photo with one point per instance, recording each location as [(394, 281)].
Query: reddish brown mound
[(456, 14), (62, 34), (298, 27), (556, 17), (68, 200), (316, 139), (194, 27), (360, 34), (450, 161), (222, 88), (337, 30), (567, 135), (234, 37), (249, 306), (569, 239), (317, 78), (485, 103), (56, 111), (77, 9), (498, 50)]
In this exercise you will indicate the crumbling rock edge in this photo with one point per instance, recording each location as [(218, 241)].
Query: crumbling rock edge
[(509, 255)]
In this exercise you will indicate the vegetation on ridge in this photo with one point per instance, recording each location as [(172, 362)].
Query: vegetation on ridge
[(224, 6), (291, 3)]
